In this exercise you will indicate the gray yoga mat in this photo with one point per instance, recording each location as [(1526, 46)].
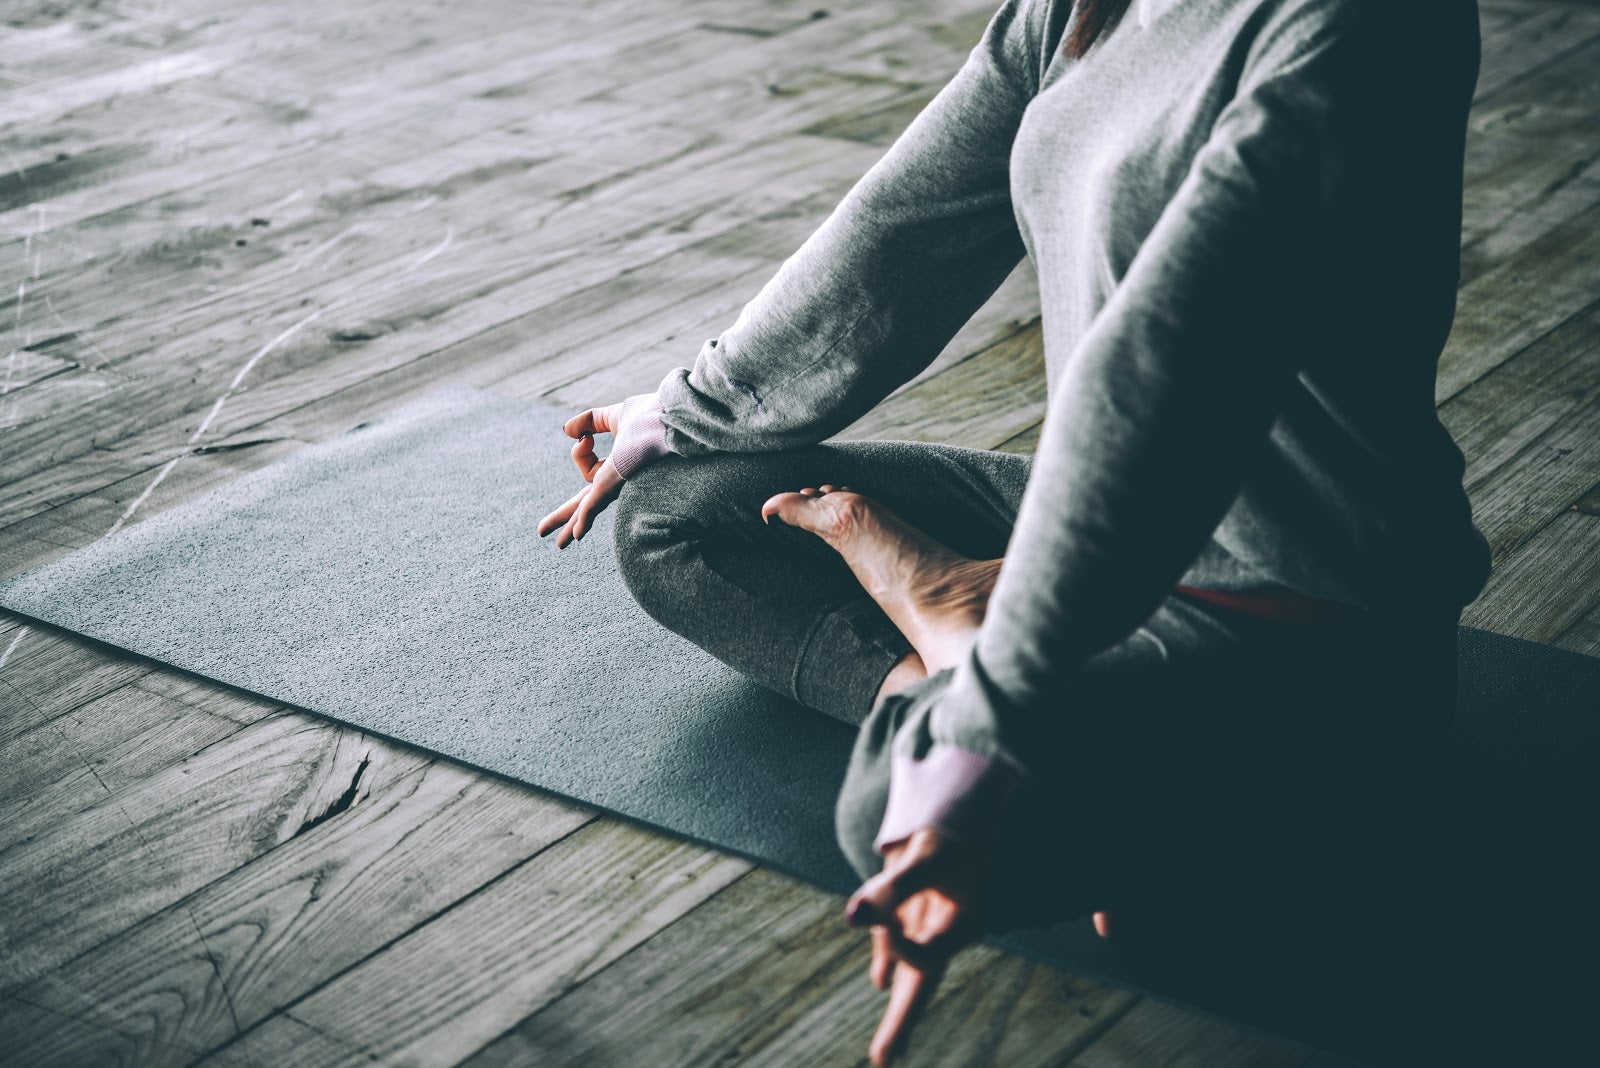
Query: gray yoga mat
[(391, 578)]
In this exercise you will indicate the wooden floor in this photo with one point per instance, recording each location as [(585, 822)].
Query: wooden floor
[(235, 227)]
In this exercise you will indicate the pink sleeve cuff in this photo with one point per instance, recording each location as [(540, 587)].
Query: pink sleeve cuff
[(960, 792), (643, 437)]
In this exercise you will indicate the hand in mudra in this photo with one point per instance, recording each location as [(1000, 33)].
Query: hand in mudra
[(576, 516), (925, 905)]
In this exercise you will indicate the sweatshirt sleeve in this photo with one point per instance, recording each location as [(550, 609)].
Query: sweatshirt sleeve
[(1159, 405), (872, 296)]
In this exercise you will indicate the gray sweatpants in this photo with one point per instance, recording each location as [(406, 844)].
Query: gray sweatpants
[(1207, 754)]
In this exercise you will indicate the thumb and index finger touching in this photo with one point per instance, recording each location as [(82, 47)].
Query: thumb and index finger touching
[(875, 901), (576, 515), (923, 860), (602, 420)]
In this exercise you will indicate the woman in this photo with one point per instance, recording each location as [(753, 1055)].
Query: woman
[(1192, 649)]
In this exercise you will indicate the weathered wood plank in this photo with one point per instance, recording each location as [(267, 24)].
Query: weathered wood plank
[(1530, 163), (47, 673), (471, 91), (765, 125), (76, 760), (1025, 443), (1547, 586), (726, 981), (1016, 1012), (1533, 292), (1530, 431), (836, 1011), (438, 993), (1542, 38), (1001, 392), (694, 994), (24, 365), (21, 1020), (212, 698), (98, 872), (1497, 17), (58, 393), (291, 97), (197, 972)]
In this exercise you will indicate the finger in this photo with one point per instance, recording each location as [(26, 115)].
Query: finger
[(583, 456), (923, 954), (909, 992), (599, 496), (876, 899), (565, 538), (882, 967), (1102, 924), (562, 514), (583, 423), (594, 421), (934, 919), (826, 487)]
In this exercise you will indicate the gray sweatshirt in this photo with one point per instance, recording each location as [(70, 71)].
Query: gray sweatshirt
[(1245, 219)]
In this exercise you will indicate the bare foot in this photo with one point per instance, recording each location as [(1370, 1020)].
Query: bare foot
[(935, 595)]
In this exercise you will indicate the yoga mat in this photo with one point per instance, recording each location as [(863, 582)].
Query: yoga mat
[(392, 578)]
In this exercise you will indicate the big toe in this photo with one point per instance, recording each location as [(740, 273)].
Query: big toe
[(830, 512), (798, 509)]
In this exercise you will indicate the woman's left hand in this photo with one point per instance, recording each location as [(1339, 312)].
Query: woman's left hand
[(924, 906)]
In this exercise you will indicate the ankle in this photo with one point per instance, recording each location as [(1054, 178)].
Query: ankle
[(907, 670)]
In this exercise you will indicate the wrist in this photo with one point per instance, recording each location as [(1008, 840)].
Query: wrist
[(641, 435), (961, 794)]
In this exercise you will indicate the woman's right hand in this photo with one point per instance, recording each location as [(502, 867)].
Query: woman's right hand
[(623, 420)]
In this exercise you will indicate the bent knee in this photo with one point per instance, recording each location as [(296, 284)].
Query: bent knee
[(718, 491), (688, 486), (646, 523)]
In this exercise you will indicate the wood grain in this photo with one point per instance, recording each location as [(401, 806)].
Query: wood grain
[(1531, 432), (515, 945), (734, 979), (150, 844), (1548, 586), (409, 845), (78, 759), (48, 674)]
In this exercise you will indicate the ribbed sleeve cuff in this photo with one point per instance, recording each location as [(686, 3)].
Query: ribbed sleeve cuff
[(643, 437), (961, 793)]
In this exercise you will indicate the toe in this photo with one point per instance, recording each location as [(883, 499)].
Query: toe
[(791, 507), (828, 517)]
